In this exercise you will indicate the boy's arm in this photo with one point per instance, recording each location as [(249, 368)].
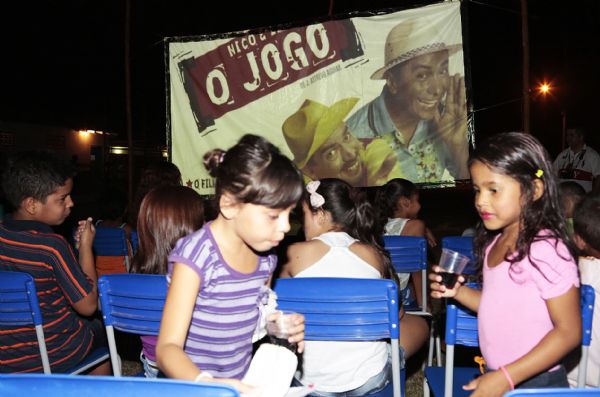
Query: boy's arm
[(88, 305)]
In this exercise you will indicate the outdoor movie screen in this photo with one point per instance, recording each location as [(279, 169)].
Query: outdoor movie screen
[(364, 99)]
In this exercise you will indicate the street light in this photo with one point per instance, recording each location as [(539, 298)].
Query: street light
[(544, 88)]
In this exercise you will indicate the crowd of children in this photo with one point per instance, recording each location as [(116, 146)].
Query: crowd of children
[(531, 233)]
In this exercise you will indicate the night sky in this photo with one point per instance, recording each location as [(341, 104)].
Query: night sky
[(63, 60)]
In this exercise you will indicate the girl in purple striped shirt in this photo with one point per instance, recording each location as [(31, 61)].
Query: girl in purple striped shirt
[(220, 274)]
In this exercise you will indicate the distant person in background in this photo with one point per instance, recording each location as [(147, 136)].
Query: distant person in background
[(155, 175), (570, 194), (586, 220), (421, 111), (398, 207), (578, 162), (113, 204), (324, 148), (167, 214)]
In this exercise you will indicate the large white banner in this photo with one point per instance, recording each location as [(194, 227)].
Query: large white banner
[(364, 99)]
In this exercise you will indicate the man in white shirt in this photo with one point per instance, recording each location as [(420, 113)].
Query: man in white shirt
[(578, 162)]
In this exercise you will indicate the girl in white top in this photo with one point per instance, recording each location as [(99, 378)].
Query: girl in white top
[(398, 207), (342, 241)]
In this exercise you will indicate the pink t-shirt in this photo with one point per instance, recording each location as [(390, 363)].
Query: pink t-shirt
[(512, 315)]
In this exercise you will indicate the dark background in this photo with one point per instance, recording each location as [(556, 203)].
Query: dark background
[(63, 61)]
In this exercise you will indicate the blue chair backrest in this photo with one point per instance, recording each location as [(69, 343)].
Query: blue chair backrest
[(347, 309), (408, 253), (463, 245), (107, 386), (18, 300), (553, 393), (133, 302), (19, 306), (110, 241)]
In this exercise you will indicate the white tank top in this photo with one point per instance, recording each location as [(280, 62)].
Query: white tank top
[(341, 366)]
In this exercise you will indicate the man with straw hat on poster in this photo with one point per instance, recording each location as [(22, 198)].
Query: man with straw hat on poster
[(421, 111), (324, 148)]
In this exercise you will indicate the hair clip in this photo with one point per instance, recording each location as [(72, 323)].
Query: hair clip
[(539, 173), (316, 200), (222, 157)]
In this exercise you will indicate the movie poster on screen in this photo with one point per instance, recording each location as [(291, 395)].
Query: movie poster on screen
[(364, 99)]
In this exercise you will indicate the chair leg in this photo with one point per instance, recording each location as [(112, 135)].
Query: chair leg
[(438, 350)]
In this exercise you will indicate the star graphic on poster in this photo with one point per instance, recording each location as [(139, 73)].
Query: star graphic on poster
[(189, 183)]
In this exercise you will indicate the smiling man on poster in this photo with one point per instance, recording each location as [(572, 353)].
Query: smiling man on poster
[(421, 111)]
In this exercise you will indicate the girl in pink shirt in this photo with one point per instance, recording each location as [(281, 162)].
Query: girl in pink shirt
[(528, 308)]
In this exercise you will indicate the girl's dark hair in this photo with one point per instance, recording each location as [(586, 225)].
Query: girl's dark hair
[(586, 221), (388, 195), (167, 213), (521, 157), (352, 213), (254, 171)]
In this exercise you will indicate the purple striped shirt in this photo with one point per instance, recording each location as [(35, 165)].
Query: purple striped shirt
[(227, 307)]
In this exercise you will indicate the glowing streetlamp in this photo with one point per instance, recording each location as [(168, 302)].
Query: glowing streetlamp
[(544, 88)]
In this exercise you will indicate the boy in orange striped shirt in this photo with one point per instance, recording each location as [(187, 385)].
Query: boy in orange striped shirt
[(38, 186)]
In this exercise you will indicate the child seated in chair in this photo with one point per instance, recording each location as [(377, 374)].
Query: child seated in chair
[(570, 193), (38, 187), (167, 214), (586, 222), (343, 242), (398, 204)]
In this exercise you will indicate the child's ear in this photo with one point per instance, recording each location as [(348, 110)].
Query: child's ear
[(322, 217), (538, 189), (404, 202), (228, 205), (30, 204)]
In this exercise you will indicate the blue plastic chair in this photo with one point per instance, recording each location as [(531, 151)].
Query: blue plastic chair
[(566, 392), (408, 255), (461, 328), (107, 386), (347, 309), (112, 241), (19, 306), (463, 245), (131, 303)]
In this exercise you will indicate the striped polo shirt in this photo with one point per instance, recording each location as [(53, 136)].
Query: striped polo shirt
[(32, 247), (226, 312)]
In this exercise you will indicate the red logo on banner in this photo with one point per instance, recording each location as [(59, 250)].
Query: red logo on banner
[(249, 67)]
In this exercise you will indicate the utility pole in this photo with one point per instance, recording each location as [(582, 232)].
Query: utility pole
[(525, 44), (128, 115)]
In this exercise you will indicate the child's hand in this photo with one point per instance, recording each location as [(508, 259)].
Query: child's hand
[(491, 384), (438, 289), (86, 231), (297, 332)]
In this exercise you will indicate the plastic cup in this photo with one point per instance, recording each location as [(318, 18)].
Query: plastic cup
[(278, 329), (453, 264)]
